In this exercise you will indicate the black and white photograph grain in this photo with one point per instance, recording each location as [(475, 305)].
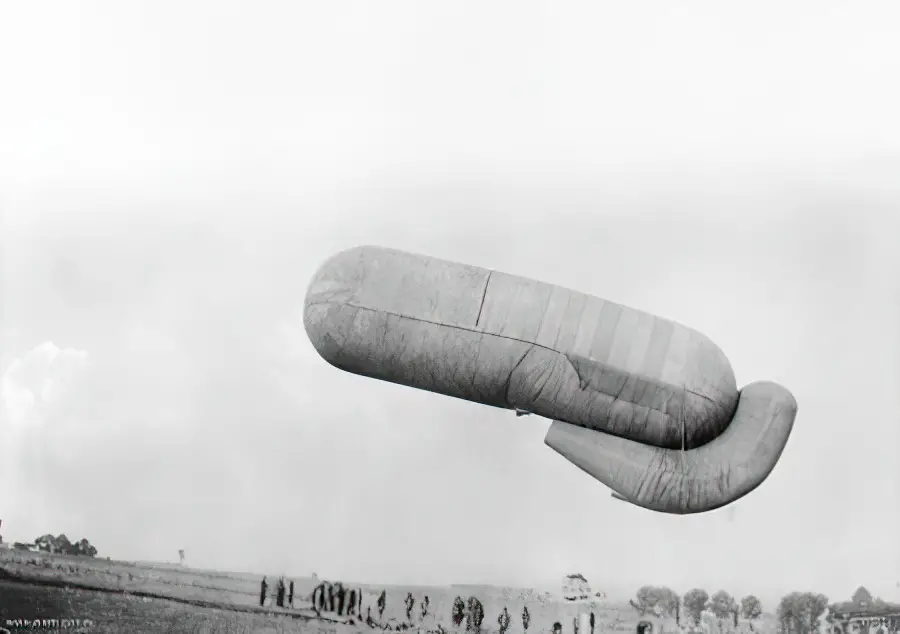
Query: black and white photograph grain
[(449, 317)]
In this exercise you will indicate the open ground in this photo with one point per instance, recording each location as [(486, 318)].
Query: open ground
[(116, 596)]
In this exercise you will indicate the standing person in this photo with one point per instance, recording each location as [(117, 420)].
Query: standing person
[(352, 601), (316, 598), (291, 594), (262, 592), (592, 622), (503, 621), (280, 596)]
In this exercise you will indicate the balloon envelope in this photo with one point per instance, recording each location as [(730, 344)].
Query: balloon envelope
[(625, 387)]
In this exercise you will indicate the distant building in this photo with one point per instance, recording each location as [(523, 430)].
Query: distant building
[(862, 598), (576, 588), (864, 614), (31, 548)]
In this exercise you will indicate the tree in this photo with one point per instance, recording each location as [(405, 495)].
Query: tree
[(814, 607), (381, 603), (799, 612), (670, 602), (46, 543), (656, 600), (787, 614), (474, 615), (503, 621), (459, 611), (84, 547), (647, 599), (723, 606), (410, 604), (63, 545), (694, 602), (751, 609), (526, 618)]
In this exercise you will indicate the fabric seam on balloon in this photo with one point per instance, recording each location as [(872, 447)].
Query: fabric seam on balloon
[(487, 281)]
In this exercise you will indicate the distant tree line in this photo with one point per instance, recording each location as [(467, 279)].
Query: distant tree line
[(797, 613), (662, 601), (59, 545)]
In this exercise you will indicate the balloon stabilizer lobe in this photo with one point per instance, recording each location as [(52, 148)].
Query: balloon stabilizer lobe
[(691, 481), (634, 397)]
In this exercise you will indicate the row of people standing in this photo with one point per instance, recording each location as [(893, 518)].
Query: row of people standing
[(280, 591), (577, 625)]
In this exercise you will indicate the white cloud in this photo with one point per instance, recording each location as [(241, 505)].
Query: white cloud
[(34, 382)]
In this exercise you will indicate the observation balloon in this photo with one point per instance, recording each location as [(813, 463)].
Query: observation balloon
[(643, 404)]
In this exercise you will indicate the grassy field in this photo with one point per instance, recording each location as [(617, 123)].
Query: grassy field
[(168, 580), (119, 613), (140, 597)]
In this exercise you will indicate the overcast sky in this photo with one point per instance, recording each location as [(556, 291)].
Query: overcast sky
[(172, 174)]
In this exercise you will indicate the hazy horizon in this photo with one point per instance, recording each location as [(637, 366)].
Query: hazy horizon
[(172, 176)]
